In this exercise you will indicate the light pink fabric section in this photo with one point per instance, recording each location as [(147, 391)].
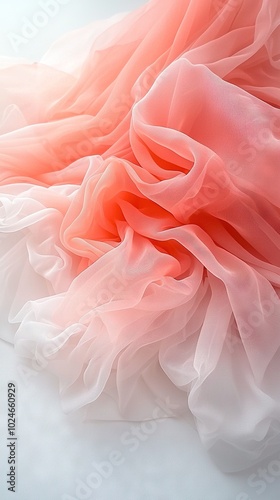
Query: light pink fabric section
[(140, 196)]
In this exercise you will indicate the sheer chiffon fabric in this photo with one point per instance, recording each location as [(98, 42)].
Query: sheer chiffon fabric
[(140, 218)]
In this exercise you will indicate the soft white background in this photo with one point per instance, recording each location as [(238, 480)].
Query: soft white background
[(54, 451)]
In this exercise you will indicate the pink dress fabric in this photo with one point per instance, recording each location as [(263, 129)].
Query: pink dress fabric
[(139, 218)]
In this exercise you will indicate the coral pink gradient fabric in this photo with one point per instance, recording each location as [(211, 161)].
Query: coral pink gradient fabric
[(140, 218)]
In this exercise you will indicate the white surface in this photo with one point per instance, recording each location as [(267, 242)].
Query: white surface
[(28, 27), (55, 451)]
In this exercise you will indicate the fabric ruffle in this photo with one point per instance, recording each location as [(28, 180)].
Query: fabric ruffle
[(140, 218)]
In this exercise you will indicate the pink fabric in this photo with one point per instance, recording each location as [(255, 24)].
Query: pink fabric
[(140, 199)]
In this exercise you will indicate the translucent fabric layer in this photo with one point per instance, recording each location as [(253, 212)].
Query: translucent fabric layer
[(140, 218)]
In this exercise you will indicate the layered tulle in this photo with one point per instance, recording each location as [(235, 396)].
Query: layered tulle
[(140, 194), (83, 107)]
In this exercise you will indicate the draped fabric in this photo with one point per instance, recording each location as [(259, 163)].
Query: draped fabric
[(140, 218)]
